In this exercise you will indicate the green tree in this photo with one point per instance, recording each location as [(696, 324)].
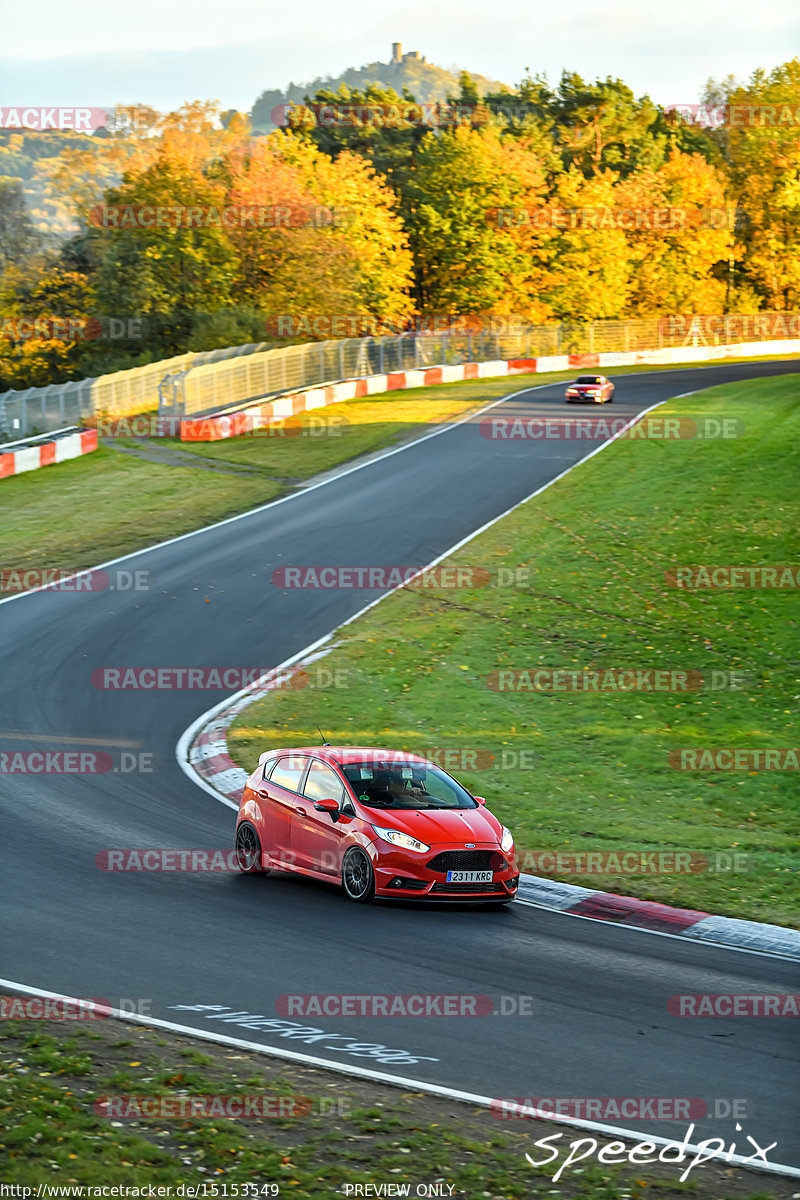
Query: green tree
[(466, 261), (602, 125), (169, 274), (374, 122)]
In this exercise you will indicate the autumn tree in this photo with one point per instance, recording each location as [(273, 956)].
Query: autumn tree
[(467, 260), (763, 150), (680, 238)]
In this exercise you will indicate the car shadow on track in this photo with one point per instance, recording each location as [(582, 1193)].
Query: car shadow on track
[(294, 889)]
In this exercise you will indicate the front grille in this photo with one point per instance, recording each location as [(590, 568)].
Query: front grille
[(466, 888), (467, 860)]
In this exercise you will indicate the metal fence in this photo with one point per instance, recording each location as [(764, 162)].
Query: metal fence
[(195, 383), (121, 394)]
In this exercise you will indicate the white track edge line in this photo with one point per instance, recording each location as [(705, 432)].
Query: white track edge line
[(402, 1081)]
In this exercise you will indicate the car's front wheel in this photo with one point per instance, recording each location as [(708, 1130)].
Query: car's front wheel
[(358, 877), (249, 855)]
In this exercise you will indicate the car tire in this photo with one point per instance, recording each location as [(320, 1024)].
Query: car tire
[(358, 877), (249, 854)]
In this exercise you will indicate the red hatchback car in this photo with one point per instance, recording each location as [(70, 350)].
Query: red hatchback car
[(590, 389), (380, 823)]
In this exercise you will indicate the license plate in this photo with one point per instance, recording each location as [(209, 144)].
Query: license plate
[(469, 876)]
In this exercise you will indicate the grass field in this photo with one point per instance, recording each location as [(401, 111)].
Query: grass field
[(352, 1131), (593, 551)]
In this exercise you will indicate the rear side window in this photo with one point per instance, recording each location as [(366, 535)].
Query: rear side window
[(323, 783), (288, 772)]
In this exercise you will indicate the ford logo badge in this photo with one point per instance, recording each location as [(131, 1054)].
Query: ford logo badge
[(469, 845)]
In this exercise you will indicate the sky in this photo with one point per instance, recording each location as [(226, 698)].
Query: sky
[(166, 52)]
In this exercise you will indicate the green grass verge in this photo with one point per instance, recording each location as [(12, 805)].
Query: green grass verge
[(356, 1132), (108, 504), (596, 546)]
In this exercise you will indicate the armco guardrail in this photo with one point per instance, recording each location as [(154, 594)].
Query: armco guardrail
[(200, 383)]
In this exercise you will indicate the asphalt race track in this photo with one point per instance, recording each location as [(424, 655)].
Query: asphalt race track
[(599, 1025)]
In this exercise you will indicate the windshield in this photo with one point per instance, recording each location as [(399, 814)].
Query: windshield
[(393, 785), (588, 379)]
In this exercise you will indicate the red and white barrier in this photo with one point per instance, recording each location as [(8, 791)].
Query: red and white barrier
[(266, 412), (44, 454)]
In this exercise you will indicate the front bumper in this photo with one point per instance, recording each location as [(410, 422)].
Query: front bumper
[(408, 876)]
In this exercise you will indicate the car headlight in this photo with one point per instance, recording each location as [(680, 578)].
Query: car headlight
[(404, 840), (507, 841)]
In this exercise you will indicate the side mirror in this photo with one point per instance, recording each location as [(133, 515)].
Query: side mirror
[(329, 806), (480, 799)]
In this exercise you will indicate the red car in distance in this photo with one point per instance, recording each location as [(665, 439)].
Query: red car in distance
[(378, 822), (590, 389)]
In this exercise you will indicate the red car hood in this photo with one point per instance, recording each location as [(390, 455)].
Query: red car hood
[(435, 826)]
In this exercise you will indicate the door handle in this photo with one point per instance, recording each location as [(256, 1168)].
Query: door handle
[(301, 811), (263, 795)]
